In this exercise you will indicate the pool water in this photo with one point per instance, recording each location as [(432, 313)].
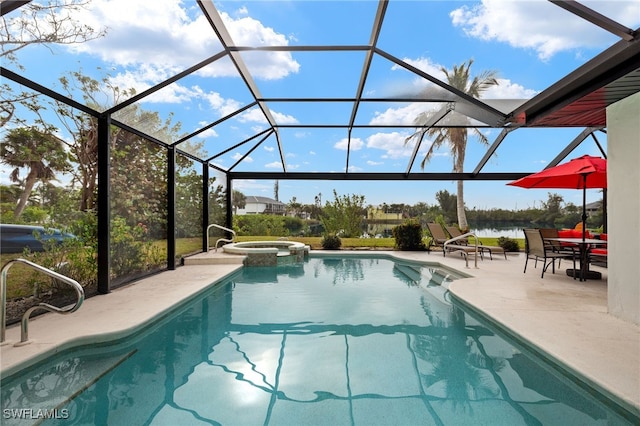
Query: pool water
[(331, 341)]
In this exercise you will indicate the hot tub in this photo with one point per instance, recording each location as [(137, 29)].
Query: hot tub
[(268, 253)]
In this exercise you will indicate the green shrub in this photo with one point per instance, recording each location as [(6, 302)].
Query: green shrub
[(408, 236), (331, 242), (260, 224), (293, 225), (508, 244), (130, 252), (75, 258)]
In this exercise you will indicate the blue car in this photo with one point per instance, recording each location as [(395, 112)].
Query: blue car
[(15, 238)]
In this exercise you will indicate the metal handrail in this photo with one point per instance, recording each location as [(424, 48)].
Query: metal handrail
[(24, 332), (226, 240), (465, 237)]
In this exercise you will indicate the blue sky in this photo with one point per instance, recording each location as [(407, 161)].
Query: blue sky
[(530, 44)]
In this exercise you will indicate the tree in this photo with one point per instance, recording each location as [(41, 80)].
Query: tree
[(41, 152), (83, 148), (447, 203), (294, 206), (138, 177), (313, 210), (44, 23), (239, 201), (553, 204), (344, 216), (217, 201), (457, 78)]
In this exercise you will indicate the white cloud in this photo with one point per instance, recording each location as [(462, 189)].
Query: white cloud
[(538, 25), (256, 115), (273, 165), (420, 87), (508, 90), (392, 143), (238, 156), (248, 31), (223, 106), (165, 34), (209, 133), (155, 40), (269, 148), (283, 118), (242, 11), (423, 64), (144, 77), (416, 85), (403, 115), (154, 32), (250, 185), (343, 144), (374, 163)]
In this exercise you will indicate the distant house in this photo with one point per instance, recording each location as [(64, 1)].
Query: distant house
[(377, 213), (262, 205), (594, 208)]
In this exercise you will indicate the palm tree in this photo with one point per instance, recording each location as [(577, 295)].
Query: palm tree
[(239, 200), (41, 152), (458, 78)]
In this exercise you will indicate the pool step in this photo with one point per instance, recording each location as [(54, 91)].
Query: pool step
[(413, 273), (428, 275)]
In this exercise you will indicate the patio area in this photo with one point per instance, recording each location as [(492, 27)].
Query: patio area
[(564, 319)]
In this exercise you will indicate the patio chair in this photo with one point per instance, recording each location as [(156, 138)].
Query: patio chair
[(535, 248), (557, 245), (598, 254), (455, 232), (439, 238)]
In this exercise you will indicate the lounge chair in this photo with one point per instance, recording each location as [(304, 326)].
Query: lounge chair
[(455, 232), (439, 238), (535, 248)]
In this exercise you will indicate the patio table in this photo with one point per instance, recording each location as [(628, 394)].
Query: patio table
[(583, 246)]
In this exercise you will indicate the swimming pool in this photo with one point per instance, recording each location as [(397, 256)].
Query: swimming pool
[(358, 340)]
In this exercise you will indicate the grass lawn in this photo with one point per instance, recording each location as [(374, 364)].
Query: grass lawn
[(353, 243), (347, 243)]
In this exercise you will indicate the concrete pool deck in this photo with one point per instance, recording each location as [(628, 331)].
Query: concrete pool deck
[(563, 318)]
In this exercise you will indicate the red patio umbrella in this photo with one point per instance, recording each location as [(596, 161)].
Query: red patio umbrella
[(580, 173)]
